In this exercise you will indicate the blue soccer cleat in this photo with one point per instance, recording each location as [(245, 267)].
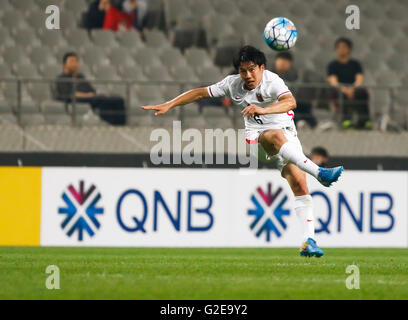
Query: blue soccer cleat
[(310, 249), (327, 176)]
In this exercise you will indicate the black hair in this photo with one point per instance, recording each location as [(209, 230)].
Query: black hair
[(249, 53), (320, 151), (67, 55), (284, 55), (346, 41)]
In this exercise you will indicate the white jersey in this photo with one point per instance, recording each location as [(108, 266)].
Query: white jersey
[(269, 90)]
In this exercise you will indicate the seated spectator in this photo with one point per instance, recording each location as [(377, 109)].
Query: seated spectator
[(139, 8), (95, 16), (110, 109), (117, 20), (320, 156), (346, 74), (283, 66)]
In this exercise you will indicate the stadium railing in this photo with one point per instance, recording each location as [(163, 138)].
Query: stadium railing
[(386, 114)]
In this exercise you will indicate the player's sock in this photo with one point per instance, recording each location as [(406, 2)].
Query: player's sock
[(291, 152), (304, 212)]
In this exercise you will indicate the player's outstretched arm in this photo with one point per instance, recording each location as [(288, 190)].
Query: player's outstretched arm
[(185, 98)]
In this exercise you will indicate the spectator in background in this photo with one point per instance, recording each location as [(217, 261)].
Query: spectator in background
[(139, 8), (283, 66), (95, 16), (111, 109), (346, 74), (320, 156), (117, 20)]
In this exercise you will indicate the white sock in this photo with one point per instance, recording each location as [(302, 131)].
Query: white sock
[(304, 212), (291, 152)]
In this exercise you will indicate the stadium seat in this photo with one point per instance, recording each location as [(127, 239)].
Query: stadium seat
[(105, 72), (26, 71), (76, 6), (51, 107), (147, 57), (8, 118), (132, 73), (104, 38), (94, 59), (51, 71), (172, 57), (156, 39), (225, 50), (227, 8), (200, 8), (39, 91), (5, 70), (5, 5), (184, 73), (130, 40), (157, 73), (198, 58), (217, 117), (5, 107), (68, 21), (15, 55), (77, 37), (52, 38), (148, 94), (120, 57), (36, 19), (13, 20), (209, 75), (58, 119), (24, 5), (42, 55), (214, 24), (188, 33), (169, 92), (43, 4), (140, 120), (174, 9)]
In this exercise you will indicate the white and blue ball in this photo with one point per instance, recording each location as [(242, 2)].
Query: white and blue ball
[(280, 34)]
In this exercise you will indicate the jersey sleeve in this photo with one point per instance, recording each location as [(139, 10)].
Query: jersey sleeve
[(277, 88), (219, 89)]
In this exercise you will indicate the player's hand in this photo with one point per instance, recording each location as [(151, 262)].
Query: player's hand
[(252, 110), (160, 109)]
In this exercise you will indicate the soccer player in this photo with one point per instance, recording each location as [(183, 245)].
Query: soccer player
[(267, 107)]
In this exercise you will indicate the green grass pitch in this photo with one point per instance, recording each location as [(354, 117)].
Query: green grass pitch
[(159, 273)]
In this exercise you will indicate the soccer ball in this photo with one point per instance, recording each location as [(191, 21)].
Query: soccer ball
[(280, 34)]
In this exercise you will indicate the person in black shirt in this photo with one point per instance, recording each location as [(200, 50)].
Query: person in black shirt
[(111, 109), (346, 74), (95, 16)]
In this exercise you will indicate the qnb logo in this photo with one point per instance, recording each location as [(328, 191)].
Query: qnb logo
[(81, 210), (268, 212)]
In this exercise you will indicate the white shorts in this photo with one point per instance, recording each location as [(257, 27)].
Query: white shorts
[(252, 135)]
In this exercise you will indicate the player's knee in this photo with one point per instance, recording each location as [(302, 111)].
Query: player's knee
[(273, 136)]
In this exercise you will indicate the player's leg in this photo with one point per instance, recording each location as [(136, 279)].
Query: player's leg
[(303, 208), (275, 142)]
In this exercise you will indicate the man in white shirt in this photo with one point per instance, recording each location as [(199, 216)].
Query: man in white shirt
[(267, 107)]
